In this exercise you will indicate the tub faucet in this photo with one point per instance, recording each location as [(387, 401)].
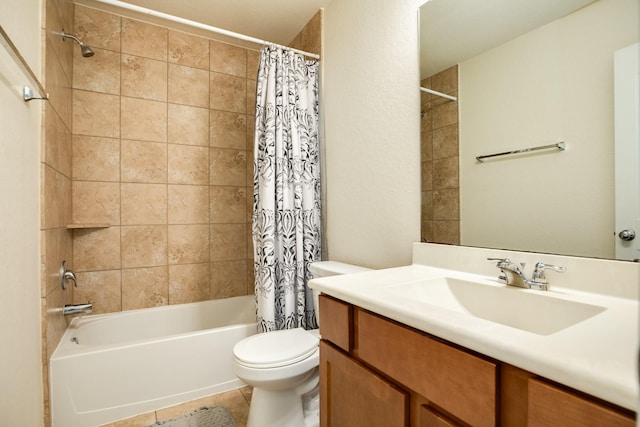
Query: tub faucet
[(70, 309), (513, 274), (66, 275)]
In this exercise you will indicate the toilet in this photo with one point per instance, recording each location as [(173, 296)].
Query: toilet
[(282, 367)]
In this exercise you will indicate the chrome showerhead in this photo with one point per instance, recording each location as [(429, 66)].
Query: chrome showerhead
[(85, 49)]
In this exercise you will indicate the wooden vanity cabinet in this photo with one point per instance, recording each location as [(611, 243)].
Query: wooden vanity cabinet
[(451, 379), (377, 372), (550, 405), (429, 417), (352, 395), (336, 329), (528, 400)]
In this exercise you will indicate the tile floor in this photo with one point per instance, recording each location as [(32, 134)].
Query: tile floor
[(237, 401)]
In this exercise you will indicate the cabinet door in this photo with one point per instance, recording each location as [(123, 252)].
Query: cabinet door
[(457, 381), (353, 396), (551, 406), (514, 392), (337, 320), (431, 418)]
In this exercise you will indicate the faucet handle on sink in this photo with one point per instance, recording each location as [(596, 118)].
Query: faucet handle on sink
[(501, 261), (506, 262), (539, 275)]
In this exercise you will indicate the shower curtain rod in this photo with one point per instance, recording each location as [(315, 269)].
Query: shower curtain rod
[(206, 27), (435, 92)]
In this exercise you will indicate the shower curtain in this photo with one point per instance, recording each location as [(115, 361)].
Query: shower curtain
[(286, 196)]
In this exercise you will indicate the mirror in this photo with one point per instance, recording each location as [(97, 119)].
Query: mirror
[(526, 73)]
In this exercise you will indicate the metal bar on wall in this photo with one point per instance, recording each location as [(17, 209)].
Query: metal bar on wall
[(559, 145), (206, 27), (13, 51)]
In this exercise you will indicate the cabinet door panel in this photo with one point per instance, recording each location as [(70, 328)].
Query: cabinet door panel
[(551, 406), (430, 418), (514, 391), (351, 395), (454, 380), (336, 322)]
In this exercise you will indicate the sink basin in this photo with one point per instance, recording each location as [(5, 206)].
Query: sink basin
[(533, 311)]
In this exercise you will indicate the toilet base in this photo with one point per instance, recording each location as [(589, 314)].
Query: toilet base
[(285, 408)]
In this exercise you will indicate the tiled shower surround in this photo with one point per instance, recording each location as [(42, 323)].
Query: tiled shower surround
[(147, 146), (440, 216), (162, 154)]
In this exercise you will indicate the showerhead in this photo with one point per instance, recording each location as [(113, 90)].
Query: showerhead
[(84, 48)]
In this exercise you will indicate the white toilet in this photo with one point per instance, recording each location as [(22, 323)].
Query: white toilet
[(282, 368)]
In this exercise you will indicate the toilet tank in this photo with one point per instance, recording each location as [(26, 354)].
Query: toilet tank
[(330, 268)]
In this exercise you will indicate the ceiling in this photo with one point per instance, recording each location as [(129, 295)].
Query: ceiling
[(277, 21), (452, 31)]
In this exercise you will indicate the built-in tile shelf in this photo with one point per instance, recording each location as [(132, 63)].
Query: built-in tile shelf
[(83, 226)]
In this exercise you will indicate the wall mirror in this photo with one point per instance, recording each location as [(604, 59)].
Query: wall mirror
[(531, 73)]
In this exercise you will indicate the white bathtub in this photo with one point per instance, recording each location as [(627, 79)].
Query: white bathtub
[(114, 366)]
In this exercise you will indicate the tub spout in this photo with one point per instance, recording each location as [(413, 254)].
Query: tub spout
[(70, 309)]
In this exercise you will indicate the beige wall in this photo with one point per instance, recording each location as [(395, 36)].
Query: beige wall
[(439, 160), (21, 370), (560, 90), (372, 123)]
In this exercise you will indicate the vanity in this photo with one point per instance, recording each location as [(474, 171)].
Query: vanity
[(432, 345), (444, 341)]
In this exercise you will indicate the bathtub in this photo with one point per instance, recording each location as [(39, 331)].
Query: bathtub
[(113, 366)]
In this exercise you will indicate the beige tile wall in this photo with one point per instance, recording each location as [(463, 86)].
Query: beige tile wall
[(439, 160), (162, 152), (55, 187), (310, 38)]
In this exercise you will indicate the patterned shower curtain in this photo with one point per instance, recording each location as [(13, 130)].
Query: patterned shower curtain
[(286, 192)]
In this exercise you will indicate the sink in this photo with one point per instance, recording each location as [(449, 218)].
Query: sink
[(537, 312)]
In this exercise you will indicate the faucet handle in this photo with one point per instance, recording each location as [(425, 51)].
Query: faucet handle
[(501, 261), (538, 272), (504, 262), (66, 275)]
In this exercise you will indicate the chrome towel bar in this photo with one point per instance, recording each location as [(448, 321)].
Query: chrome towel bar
[(558, 145), (12, 50)]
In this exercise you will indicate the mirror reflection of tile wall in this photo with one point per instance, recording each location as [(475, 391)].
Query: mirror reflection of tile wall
[(440, 216)]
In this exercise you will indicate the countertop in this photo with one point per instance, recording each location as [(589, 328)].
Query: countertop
[(597, 356)]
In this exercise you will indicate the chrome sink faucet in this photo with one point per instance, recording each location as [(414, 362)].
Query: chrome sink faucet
[(513, 274)]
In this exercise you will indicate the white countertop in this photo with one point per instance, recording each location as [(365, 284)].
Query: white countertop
[(598, 356)]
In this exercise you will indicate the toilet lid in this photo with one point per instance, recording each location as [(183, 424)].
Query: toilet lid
[(277, 348)]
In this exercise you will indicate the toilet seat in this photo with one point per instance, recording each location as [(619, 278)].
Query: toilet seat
[(276, 349)]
